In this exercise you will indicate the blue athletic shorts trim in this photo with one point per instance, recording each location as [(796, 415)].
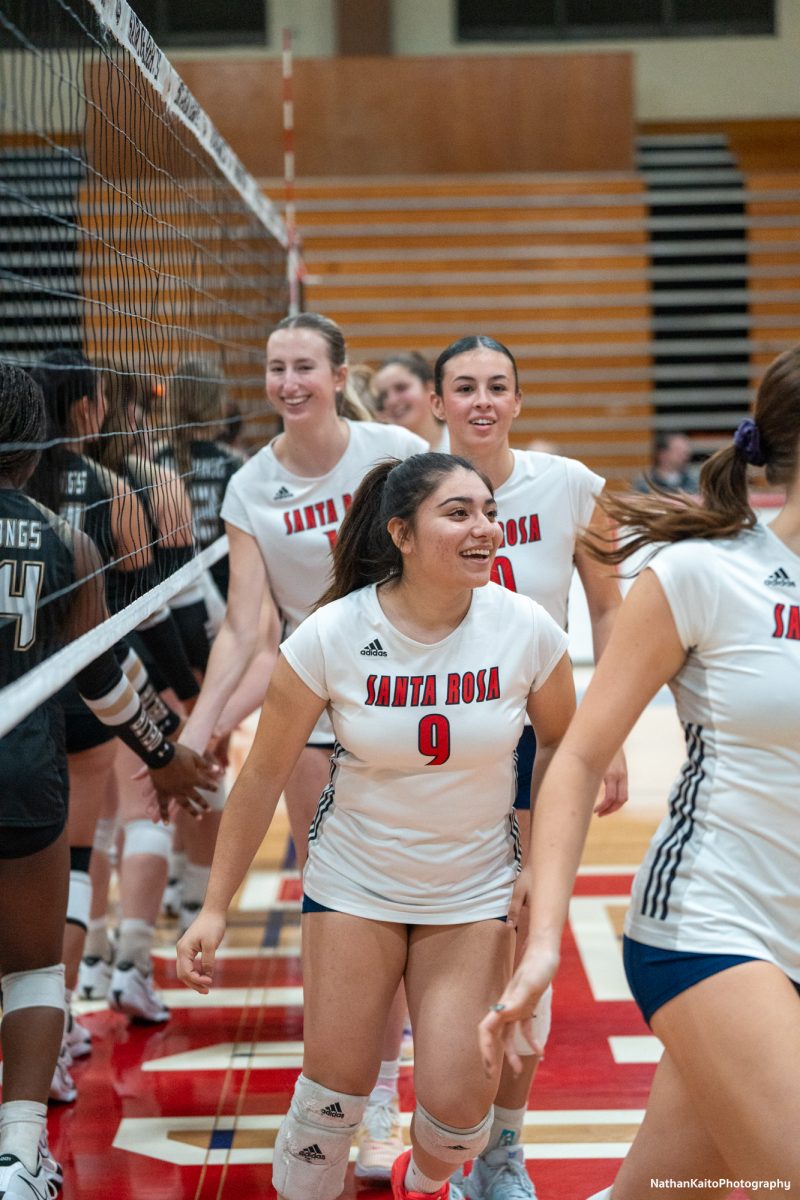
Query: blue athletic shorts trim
[(656, 976), (313, 906), (526, 753)]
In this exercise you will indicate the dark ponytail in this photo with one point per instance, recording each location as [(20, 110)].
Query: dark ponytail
[(771, 439), (364, 552), (22, 423), (65, 376)]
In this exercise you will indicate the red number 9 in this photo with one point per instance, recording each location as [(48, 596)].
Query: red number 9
[(434, 739)]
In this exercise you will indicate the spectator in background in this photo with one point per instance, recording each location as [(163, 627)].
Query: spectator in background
[(671, 471)]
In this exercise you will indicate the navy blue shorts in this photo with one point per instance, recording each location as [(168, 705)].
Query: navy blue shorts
[(656, 976), (525, 754), (312, 906)]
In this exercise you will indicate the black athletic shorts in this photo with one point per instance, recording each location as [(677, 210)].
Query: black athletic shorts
[(34, 784), (82, 730)]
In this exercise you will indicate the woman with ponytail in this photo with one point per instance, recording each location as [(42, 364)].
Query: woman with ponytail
[(426, 670), (712, 945)]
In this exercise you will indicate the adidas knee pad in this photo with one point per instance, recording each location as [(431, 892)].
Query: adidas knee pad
[(447, 1144), (34, 989), (542, 1020), (313, 1143), (144, 837), (79, 899)]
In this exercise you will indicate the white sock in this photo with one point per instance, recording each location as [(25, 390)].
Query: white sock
[(98, 944), (195, 882), (506, 1128), (385, 1088), (135, 942), (21, 1125), (416, 1181), (177, 864)]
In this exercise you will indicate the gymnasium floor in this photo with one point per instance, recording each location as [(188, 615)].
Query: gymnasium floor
[(190, 1110)]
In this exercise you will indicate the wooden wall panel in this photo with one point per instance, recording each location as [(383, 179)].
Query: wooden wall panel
[(397, 116)]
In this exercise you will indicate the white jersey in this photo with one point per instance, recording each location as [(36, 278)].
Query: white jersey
[(417, 823), (721, 875), (542, 507), (295, 519)]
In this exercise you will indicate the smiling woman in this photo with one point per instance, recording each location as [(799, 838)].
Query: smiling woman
[(427, 670)]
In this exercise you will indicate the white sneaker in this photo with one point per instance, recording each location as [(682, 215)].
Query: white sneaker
[(94, 977), (379, 1140), (171, 902), (407, 1045), (187, 914), (18, 1183), (133, 994), (62, 1086), (77, 1037), (500, 1175), (50, 1166)]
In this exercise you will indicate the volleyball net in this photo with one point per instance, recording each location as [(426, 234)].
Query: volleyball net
[(141, 267)]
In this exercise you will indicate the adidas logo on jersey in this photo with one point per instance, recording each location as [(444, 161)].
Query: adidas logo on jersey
[(283, 493), (311, 1154), (374, 650), (333, 1110), (780, 578)]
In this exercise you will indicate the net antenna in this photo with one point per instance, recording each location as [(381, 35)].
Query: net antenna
[(134, 238), (295, 266)]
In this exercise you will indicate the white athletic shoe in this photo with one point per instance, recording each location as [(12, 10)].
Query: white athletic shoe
[(50, 1166), (407, 1045), (458, 1185), (94, 977), (171, 902), (187, 914), (500, 1175), (379, 1140), (133, 994), (77, 1037), (62, 1086), (18, 1183)]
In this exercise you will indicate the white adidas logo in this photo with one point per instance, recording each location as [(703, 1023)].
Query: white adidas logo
[(780, 578), (374, 650)]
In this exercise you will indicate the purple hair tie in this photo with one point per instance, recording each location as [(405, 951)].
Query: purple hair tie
[(747, 441)]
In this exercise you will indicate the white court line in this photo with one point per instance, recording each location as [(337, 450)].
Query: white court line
[(241, 1056), (642, 1048), (154, 1136), (167, 953), (176, 998), (598, 945)]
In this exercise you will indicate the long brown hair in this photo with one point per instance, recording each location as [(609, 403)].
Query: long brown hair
[(364, 552), (348, 403), (724, 508)]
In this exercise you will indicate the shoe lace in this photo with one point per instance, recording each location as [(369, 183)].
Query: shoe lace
[(515, 1180), (379, 1119)]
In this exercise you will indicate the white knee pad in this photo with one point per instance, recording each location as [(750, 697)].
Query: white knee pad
[(34, 989), (604, 1195), (79, 898), (143, 837), (105, 832), (448, 1144), (217, 796), (542, 1021), (313, 1143)]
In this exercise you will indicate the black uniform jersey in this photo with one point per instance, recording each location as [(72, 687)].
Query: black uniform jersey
[(36, 574), (212, 467)]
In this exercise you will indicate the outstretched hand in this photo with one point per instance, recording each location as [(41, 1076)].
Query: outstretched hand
[(512, 1016), (183, 781), (197, 949)]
